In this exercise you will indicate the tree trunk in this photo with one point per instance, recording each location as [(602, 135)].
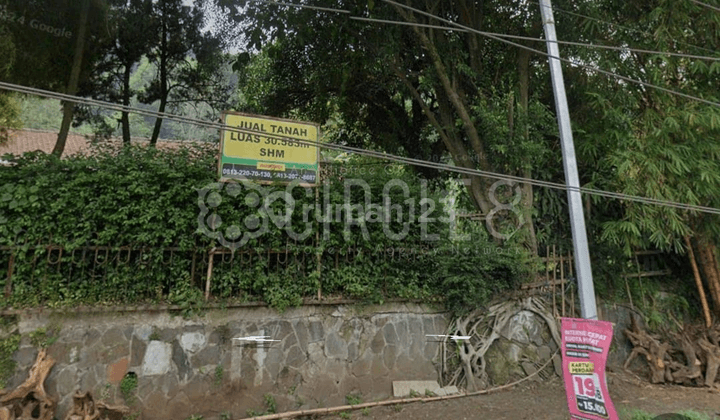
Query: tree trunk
[(698, 282), (527, 189), (74, 81), (125, 116), (476, 187), (452, 91), (713, 255), (163, 76), (708, 266), (158, 122), (453, 145)]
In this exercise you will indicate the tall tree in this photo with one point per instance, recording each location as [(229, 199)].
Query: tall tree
[(189, 61), (74, 81), (126, 47), (652, 143), (416, 90), (56, 42), (9, 112)]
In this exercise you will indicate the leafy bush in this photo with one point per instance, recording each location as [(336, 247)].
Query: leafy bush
[(137, 224), (8, 346)]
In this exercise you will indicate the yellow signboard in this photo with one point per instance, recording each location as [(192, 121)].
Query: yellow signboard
[(582, 368), (268, 149)]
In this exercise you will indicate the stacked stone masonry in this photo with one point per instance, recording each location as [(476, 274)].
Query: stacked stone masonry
[(193, 366)]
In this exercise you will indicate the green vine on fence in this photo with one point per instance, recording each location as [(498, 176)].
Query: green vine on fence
[(126, 226)]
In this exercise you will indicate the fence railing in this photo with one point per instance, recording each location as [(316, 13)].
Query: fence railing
[(556, 278), (142, 273), (149, 273)]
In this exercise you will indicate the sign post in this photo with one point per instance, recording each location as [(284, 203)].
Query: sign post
[(585, 346), (266, 149)]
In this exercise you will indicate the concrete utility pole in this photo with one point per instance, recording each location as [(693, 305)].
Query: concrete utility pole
[(586, 290)]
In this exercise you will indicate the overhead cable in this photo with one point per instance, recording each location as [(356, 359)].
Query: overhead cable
[(323, 9), (533, 39), (617, 25), (500, 35), (574, 63), (359, 151)]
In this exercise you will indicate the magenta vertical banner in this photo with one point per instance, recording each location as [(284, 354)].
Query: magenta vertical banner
[(585, 347)]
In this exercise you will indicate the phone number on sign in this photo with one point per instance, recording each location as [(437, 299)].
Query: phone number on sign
[(267, 175)]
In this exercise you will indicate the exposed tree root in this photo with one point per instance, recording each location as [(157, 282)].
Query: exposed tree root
[(85, 408), (690, 357), (29, 401), (484, 326)]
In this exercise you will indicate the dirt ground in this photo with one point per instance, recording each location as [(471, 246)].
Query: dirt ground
[(546, 401)]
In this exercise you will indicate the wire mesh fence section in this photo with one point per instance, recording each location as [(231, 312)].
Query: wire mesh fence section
[(37, 274), (40, 274)]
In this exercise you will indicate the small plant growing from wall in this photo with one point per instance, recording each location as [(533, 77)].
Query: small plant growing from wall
[(155, 335), (128, 385), (353, 399), (270, 404), (8, 347), (45, 337), (219, 373), (270, 407)]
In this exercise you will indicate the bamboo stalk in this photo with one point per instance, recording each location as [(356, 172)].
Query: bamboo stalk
[(709, 268), (627, 286), (717, 278), (698, 282), (642, 290)]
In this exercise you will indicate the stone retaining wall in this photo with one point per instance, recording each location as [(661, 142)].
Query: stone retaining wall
[(192, 366), (325, 353)]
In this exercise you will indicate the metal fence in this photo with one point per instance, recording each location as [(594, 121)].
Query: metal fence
[(150, 273), (142, 274)]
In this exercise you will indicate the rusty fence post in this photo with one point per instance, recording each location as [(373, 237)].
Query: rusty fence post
[(8, 281), (211, 257)]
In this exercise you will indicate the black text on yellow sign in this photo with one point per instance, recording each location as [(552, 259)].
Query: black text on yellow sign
[(282, 146), (581, 368)]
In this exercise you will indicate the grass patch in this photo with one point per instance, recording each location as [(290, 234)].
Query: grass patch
[(8, 347)]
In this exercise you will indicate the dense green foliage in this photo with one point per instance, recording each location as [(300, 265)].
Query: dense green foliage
[(9, 112), (159, 212), (8, 347), (434, 95), (437, 95), (463, 98)]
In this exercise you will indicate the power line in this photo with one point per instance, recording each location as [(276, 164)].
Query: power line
[(359, 151), (617, 25), (323, 9), (500, 35), (574, 63), (533, 39)]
